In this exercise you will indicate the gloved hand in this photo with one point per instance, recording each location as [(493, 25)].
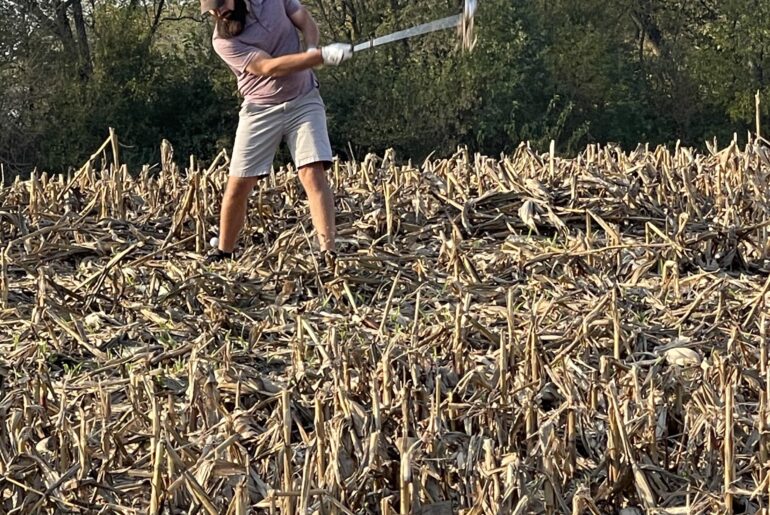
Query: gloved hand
[(336, 53)]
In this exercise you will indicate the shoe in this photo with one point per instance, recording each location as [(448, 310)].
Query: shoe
[(217, 256), (328, 265), (329, 259)]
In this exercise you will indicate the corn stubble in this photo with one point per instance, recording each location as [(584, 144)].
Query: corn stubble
[(520, 335)]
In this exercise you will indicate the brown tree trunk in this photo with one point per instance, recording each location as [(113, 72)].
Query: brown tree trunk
[(60, 24), (84, 50)]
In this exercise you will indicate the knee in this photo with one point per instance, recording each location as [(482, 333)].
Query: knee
[(313, 178), (238, 191)]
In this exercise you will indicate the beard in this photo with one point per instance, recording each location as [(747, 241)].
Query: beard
[(232, 25)]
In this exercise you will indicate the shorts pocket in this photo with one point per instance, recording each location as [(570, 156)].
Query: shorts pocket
[(252, 109)]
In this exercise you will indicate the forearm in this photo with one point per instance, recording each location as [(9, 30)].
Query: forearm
[(304, 21), (286, 64), (311, 35)]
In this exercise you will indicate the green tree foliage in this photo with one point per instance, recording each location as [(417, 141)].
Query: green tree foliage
[(721, 53), (573, 71), (148, 81), (592, 73), (148, 92)]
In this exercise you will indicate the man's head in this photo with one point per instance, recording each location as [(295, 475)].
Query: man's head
[(230, 15)]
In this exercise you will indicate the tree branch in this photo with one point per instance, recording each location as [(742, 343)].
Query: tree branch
[(329, 24), (156, 19), (58, 26), (180, 18)]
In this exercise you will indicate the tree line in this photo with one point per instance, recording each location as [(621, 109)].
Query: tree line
[(572, 71)]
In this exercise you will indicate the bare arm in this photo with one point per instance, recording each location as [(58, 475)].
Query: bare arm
[(304, 21), (285, 64)]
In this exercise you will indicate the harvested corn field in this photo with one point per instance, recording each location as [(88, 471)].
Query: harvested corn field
[(519, 335)]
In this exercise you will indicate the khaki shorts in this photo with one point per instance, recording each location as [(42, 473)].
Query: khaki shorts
[(261, 128)]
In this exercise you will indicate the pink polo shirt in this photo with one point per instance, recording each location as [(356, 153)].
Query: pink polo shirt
[(270, 32)]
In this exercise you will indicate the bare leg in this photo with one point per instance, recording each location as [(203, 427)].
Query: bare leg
[(321, 199), (233, 213)]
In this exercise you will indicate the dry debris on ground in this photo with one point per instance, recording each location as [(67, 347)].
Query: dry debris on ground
[(519, 335)]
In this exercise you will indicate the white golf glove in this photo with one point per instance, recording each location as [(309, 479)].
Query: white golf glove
[(336, 53)]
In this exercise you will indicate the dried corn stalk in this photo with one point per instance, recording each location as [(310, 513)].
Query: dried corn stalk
[(530, 333)]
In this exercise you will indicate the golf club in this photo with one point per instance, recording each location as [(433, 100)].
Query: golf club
[(463, 21)]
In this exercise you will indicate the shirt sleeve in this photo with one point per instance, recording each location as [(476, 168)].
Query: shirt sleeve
[(291, 6), (236, 54)]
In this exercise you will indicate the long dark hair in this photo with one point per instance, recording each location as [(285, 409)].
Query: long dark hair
[(234, 22)]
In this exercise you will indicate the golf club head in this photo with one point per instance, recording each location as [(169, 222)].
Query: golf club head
[(470, 8), (467, 34)]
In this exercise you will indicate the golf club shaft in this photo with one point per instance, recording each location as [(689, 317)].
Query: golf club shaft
[(425, 28)]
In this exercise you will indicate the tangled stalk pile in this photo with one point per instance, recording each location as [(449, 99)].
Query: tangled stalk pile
[(518, 335)]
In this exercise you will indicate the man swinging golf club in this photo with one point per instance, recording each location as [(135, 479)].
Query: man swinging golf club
[(259, 42)]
